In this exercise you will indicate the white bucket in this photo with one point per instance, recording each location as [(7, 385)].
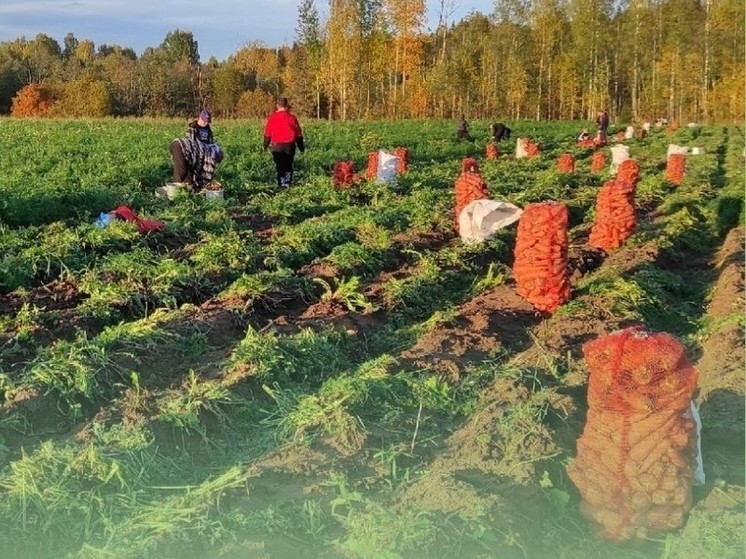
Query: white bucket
[(214, 194)]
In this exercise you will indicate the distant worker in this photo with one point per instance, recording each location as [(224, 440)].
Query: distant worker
[(498, 131), (200, 130), (194, 162), (462, 129), (282, 134), (602, 127), (583, 136)]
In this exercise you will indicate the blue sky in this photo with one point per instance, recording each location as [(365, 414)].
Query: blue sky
[(220, 26)]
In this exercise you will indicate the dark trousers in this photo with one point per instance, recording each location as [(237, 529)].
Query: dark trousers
[(283, 157), (181, 169), (464, 135)]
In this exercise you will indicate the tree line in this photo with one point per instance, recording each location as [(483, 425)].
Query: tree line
[(536, 59)]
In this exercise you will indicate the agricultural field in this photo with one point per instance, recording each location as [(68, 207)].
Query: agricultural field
[(318, 372)]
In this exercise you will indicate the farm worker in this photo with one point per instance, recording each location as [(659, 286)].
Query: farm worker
[(282, 134), (194, 162), (602, 126), (200, 130), (462, 129), (584, 135), (498, 131)]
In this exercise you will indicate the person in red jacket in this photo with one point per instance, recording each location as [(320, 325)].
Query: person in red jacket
[(282, 134)]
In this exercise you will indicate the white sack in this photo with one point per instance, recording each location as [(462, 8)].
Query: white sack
[(386, 171), (629, 133), (673, 148), (619, 154), (480, 220), (699, 470), (520, 148)]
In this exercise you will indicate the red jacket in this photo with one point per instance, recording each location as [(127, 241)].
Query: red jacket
[(283, 128)]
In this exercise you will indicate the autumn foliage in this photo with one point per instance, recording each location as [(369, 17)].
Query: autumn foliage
[(32, 100), (566, 163), (540, 266), (469, 187), (675, 167), (635, 462)]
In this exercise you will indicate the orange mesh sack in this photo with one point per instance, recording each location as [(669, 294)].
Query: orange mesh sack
[(636, 456), (469, 187), (675, 167), (628, 171), (491, 151), (344, 174), (566, 163), (540, 266), (598, 162), (615, 215), (371, 171), (532, 149), (402, 160)]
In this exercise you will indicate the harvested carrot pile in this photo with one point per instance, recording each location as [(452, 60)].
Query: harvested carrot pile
[(590, 143), (675, 166), (491, 151), (540, 266), (371, 172), (598, 162), (628, 170), (636, 456), (469, 187), (566, 163), (402, 160), (343, 175), (615, 215)]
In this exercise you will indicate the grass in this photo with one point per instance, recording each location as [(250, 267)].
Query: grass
[(234, 429)]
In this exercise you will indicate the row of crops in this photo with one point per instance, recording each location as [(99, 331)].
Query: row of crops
[(259, 378)]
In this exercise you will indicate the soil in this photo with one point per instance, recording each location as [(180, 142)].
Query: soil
[(722, 369), (483, 326)]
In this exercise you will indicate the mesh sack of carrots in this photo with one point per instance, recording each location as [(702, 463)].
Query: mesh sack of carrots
[(371, 172), (343, 174), (628, 171), (637, 455), (491, 151), (598, 162), (469, 187), (566, 163), (540, 266), (615, 215), (675, 167), (402, 160), (532, 149)]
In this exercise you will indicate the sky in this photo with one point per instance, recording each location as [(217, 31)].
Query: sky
[(220, 26)]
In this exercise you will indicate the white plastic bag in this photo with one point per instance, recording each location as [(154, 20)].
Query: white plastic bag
[(480, 220), (629, 133), (386, 171), (520, 148), (619, 154), (674, 149), (699, 470)]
